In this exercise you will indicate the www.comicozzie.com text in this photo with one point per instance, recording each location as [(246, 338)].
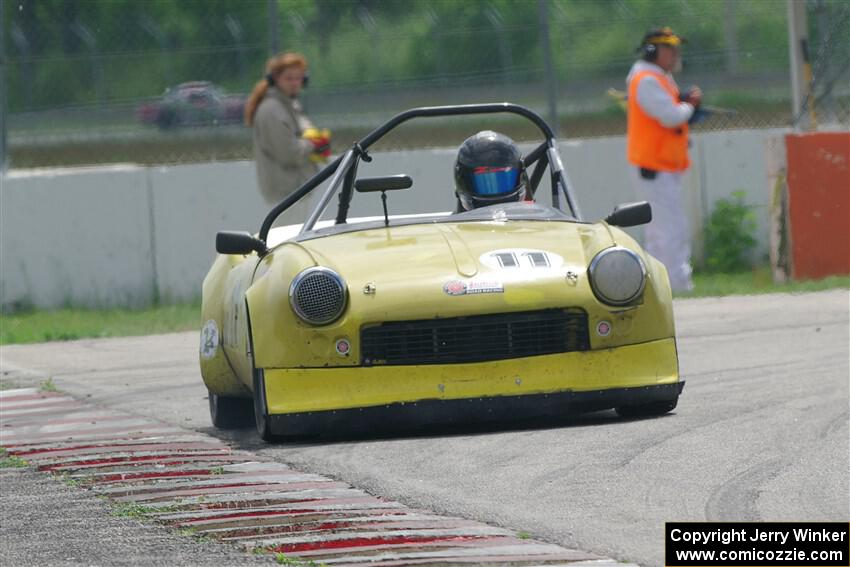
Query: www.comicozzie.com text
[(749, 555)]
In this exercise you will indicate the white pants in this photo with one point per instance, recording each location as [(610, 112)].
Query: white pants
[(667, 237)]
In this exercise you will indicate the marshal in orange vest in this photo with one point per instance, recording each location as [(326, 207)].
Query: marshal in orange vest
[(650, 144)]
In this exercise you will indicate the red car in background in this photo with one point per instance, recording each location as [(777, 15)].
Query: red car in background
[(196, 103)]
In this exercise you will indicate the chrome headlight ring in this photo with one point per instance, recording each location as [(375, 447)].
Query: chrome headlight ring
[(617, 276), (318, 295)]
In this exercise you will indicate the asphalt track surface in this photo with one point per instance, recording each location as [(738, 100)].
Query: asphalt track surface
[(762, 432)]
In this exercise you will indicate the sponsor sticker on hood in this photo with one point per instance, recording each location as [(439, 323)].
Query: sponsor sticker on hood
[(473, 287)]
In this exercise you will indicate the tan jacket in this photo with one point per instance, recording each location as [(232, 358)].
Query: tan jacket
[(281, 155)]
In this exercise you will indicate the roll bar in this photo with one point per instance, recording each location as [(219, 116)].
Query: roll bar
[(358, 150)]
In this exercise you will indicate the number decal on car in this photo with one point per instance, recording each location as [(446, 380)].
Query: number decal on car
[(209, 340)]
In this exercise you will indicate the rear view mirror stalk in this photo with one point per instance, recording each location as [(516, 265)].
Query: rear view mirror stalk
[(383, 184)]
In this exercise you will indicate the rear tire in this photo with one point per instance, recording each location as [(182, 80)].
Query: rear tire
[(230, 413), (167, 119), (261, 412), (648, 410)]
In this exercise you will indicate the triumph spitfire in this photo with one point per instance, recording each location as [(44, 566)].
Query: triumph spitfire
[(506, 311)]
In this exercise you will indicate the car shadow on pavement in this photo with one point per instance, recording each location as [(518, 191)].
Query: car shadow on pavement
[(247, 438)]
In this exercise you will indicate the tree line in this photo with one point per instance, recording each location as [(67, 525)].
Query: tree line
[(70, 52)]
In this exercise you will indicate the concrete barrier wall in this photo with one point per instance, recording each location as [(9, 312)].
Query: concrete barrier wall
[(128, 235), (729, 163), (190, 203), (76, 237)]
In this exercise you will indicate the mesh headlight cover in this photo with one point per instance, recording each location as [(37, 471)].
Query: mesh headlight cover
[(318, 296), (617, 276)]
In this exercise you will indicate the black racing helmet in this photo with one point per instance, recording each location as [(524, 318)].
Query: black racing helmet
[(489, 170)]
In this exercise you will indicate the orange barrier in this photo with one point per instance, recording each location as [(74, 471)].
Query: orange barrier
[(819, 203)]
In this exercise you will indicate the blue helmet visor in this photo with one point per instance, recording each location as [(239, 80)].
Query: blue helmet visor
[(494, 181)]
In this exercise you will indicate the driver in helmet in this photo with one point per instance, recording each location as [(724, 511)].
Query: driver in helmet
[(489, 170)]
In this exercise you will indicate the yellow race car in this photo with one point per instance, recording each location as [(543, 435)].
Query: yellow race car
[(511, 310)]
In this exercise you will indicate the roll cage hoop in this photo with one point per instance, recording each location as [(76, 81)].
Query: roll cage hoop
[(344, 168)]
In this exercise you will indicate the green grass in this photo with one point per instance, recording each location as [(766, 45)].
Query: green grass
[(71, 324), (48, 386), (68, 324), (283, 559), (757, 281), (194, 534), (8, 461), (138, 511), (71, 481), (132, 511)]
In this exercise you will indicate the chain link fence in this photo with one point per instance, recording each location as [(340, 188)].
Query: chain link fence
[(89, 82), (827, 98)]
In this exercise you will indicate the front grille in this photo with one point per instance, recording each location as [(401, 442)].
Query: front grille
[(475, 339)]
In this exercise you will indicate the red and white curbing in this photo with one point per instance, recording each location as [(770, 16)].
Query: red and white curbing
[(190, 480)]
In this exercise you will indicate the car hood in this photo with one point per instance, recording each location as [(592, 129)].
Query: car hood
[(419, 267), (460, 249)]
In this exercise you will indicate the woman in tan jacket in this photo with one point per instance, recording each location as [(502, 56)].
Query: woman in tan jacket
[(287, 147)]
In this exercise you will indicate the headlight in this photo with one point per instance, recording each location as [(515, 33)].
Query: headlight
[(318, 296), (617, 276)]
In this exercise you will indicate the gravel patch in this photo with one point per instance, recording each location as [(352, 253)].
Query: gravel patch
[(45, 522)]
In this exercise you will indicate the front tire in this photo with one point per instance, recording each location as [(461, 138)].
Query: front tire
[(261, 412), (652, 409), (230, 413), (167, 119)]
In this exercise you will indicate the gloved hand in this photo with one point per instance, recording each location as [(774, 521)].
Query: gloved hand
[(321, 140), (693, 96)]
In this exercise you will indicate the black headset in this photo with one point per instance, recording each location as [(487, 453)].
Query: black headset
[(650, 51)]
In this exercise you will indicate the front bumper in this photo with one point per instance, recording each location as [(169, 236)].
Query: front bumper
[(403, 416), (311, 399)]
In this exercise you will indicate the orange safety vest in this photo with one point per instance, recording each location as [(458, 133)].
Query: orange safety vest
[(649, 143)]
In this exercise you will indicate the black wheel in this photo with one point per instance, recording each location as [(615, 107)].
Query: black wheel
[(167, 119), (261, 412), (648, 410), (230, 413)]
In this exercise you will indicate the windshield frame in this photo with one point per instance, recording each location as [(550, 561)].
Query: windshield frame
[(501, 213)]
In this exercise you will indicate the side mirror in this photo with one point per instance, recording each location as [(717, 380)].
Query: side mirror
[(230, 242), (388, 183), (630, 214)]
